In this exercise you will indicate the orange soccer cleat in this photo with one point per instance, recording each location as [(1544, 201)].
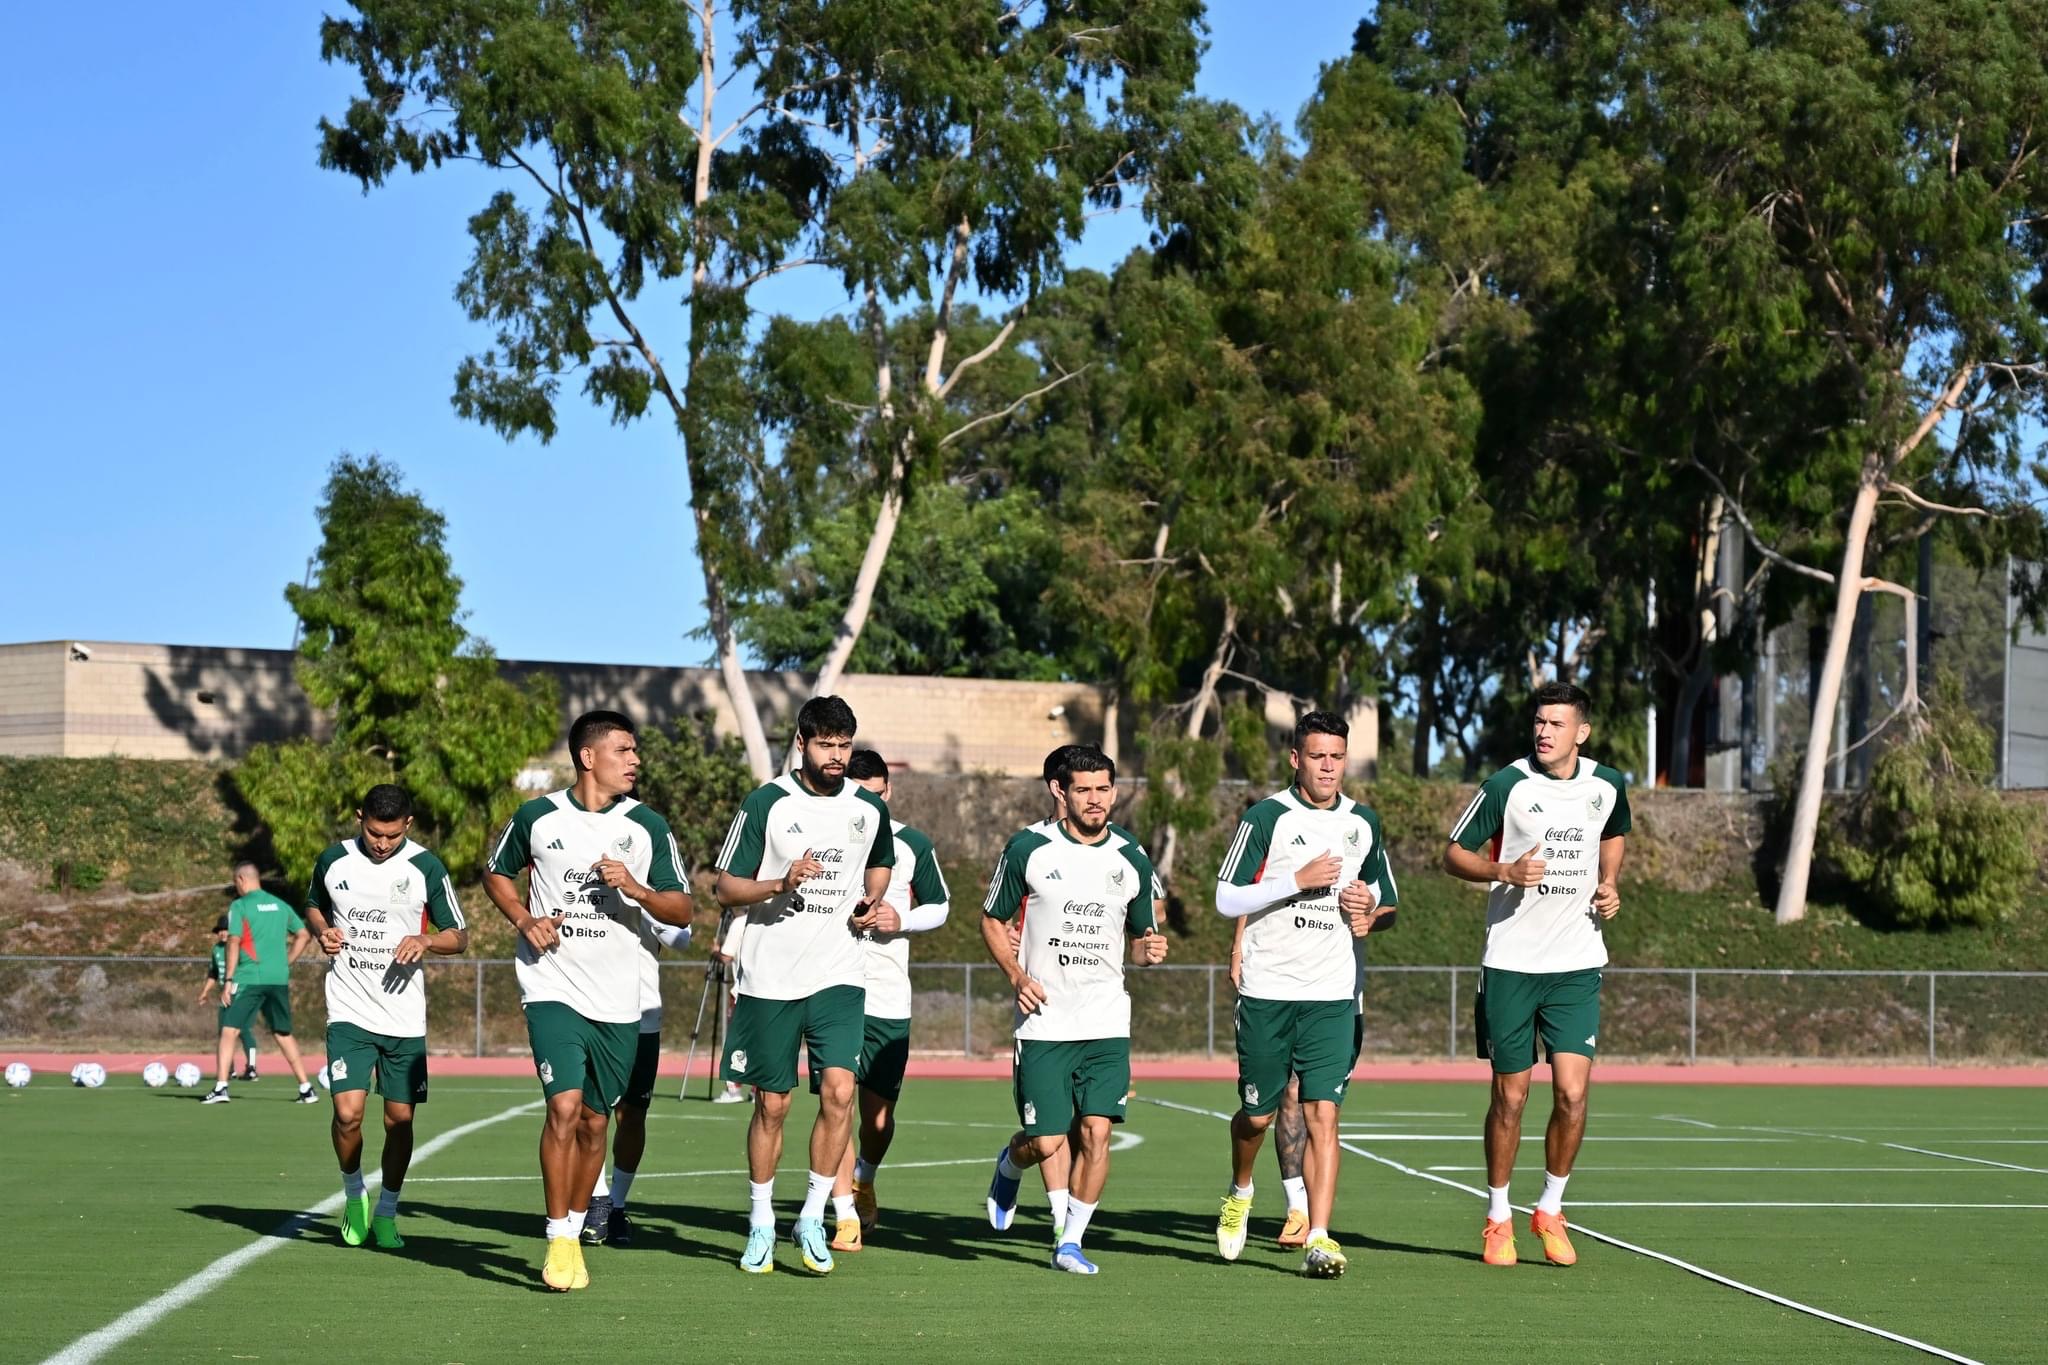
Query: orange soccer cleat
[(1295, 1232), (1557, 1248), (1499, 1242)]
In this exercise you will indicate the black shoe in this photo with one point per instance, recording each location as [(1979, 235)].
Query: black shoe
[(620, 1233), (217, 1095), (248, 1075), (597, 1221), (307, 1095)]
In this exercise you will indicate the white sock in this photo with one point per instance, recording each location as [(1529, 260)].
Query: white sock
[(819, 1190), (842, 1208), (1010, 1169), (761, 1204), (1497, 1209), (1314, 1233), (1078, 1214), (575, 1221), (387, 1202), (1059, 1202), (1240, 1191), (1553, 1193), (864, 1170), (305, 1087), (1297, 1193), (352, 1183), (622, 1181), (603, 1188), (558, 1227)]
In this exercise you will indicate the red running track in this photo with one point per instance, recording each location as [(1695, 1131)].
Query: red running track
[(1198, 1069)]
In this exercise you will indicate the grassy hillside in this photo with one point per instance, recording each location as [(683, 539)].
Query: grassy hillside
[(131, 831)]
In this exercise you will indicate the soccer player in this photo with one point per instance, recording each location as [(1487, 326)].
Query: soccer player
[(595, 858), (1308, 873), (217, 974), (265, 937), (1545, 834), (1290, 1129), (606, 1221), (1085, 892), (379, 903), (808, 858), (916, 903)]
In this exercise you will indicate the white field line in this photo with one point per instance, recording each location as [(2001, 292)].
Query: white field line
[(1475, 1136), (1672, 1261), (1772, 1204), (1119, 1141), (138, 1320), (1974, 1160), (1581, 1167), (1866, 1142)]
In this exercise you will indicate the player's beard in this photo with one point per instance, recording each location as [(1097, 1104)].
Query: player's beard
[(1081, 822)]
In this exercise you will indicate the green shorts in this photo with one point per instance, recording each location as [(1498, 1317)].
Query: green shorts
[(1056, 1082), (762, 1043), (571, 1052), (646, 1063), (1316, 1040), (884, 1056), (1512, 1007), (400, 1064), (220, 1021), (273, 1002)]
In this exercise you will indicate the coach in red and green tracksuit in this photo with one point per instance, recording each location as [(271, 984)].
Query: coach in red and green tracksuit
[(265, 936)]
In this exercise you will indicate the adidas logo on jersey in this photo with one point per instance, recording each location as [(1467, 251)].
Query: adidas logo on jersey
[(341, 886), (1535, 808), (1054, 876), (557, 844), (794, 828), (1299, 841)]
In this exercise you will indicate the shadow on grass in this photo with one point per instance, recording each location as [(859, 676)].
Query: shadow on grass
[(286, 1225), (650, 1232)]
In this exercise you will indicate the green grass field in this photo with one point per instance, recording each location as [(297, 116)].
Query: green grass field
[(122, 1194)]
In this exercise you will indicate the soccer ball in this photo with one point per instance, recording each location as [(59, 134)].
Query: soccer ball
[(187, 1075), (18, 1074), (156, 1075), (91, 1075), (77, 1070)]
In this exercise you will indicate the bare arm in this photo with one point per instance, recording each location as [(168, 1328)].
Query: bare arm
[(996, 935), (328, 935), (441, 943), (540, 934), (1607, 896), (299, 944), (741, 891), (1465, 865), (227, 973)]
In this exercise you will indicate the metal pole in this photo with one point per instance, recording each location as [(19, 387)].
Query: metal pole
[(1692, 1020), (717, 1033), (967, 1009), (1451, 1034), (1930, 1018), (479, 1007), (1212, 1010)]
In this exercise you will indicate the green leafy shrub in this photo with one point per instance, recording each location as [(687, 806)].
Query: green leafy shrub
[(1929, 844)]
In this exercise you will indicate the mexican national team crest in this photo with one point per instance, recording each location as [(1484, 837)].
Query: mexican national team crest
[(1598, 801), (339, 1071), (1352, 838), (1251, 1094), (1116, 881), (401, 891), (623, 846), (857, 827), (1030, 1113), (547, 1072), (739, 1060)]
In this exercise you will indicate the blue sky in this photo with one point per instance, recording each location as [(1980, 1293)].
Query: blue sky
[(198, 320)]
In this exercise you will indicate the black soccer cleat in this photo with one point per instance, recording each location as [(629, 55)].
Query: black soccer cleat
[(597, 1220), (620, 1233)]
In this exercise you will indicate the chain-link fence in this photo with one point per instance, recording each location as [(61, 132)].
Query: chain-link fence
[(964, 1010)]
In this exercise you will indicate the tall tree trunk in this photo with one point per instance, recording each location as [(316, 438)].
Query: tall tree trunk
[(1819, 739), (1198, 716), (887, 517), (1427, 663)]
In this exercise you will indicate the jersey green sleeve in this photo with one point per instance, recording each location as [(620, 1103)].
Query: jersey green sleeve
[(317, 896), (927, 882), (882, 847), (1138, 911), (666, 872), (442, 910), (1487, 812), (292, 918), (1006, 887), (217, 964), (746, 843), (1378, 868), (237, 922), (1619, 822), (515, 850), (1249, 846)]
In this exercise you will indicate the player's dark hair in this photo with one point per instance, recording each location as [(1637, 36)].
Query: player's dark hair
[(830, 717), (865, 765), (1562, 694), (592, 726), (1053, 760), (1081, 758), (1320, 723), (386, 801), (220, 926)]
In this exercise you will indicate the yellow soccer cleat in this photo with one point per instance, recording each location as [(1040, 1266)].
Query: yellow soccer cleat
[(1295, 1233), (1325, 1259), (564, 1268), (846, 1235), (355, 1219), (1230, 1226), (864, 1205), (1557, 1248), (1499, 1242)]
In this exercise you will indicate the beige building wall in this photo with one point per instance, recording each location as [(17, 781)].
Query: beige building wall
[(97, 697)]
